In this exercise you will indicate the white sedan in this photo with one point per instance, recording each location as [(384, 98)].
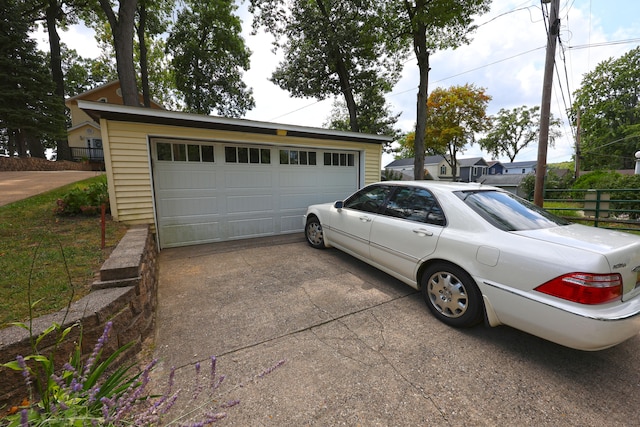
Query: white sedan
[(479, 252)]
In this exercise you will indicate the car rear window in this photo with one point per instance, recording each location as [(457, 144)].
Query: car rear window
[(509, 212)]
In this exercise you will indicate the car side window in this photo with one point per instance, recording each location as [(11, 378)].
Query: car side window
[(369, 199), (415, 204)]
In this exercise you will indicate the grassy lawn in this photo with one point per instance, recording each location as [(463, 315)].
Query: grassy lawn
[(46, 259)]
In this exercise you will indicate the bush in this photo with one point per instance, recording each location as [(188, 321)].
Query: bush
[(86, 201)]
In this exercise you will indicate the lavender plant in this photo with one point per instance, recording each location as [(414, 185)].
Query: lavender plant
[(93, 391)]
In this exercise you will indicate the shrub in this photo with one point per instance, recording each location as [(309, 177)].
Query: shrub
[(86, 201)]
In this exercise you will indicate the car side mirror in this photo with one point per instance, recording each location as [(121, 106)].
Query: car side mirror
[(338, 204)]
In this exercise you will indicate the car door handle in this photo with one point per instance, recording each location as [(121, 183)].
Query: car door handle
[(422, 232), (365, 219)]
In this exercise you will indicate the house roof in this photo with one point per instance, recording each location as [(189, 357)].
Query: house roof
[(102, 87), (528, 164), (124, 113), (429, 160), (472, 161)]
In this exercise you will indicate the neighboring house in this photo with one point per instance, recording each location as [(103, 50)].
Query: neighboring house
[(521, 168), (402, 166), (84, 135), (435, 167), (494, 167), (201, 179), (471, 169)]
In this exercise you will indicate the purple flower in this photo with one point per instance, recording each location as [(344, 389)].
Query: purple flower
[(96, 350), (25, 370)]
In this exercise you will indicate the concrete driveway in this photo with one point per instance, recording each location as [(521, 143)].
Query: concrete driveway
[(361, 349), (16, 186)]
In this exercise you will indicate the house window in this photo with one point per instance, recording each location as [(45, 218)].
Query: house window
[(339, 159), (523, 170), (443, 170), (247, 155)]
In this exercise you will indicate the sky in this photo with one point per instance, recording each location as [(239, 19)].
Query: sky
[(506, 57)]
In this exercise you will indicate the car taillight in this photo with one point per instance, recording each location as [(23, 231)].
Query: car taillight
[(584, 288)]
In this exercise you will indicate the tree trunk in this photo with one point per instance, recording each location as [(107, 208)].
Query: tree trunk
[(422, 55), (122, 30), (52, 13), (144, 69), (343, 75)]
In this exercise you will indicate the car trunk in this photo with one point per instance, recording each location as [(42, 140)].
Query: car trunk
[(621, 250)]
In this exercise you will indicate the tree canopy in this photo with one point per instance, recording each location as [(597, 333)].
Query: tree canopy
[(456, 114), (513, 130), (208, 56), (30, 111), (335, 48), (608, 104)]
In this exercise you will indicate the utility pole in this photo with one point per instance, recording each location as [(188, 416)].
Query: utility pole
[(545, 107)]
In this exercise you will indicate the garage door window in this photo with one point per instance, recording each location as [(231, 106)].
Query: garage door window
[(339, 159), (295, 157), (247, 155), (184, 152)]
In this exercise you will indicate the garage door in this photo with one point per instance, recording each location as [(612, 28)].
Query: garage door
[(210, 192)]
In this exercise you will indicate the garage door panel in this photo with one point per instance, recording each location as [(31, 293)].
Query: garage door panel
[(248, 179), (249, 203), (216, 200), (182, 206), (187, 233), (250, 227)]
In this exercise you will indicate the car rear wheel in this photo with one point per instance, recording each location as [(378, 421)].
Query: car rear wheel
[(313, 232), (451, 295)]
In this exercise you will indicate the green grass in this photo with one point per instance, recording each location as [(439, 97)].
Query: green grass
[(565, 209), (47, 260)]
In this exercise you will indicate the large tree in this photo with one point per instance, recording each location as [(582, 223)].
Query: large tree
[(334, 48), (456, 115), (30, 116), (209, 55), (513, 130), (430, 26), (608, 104)]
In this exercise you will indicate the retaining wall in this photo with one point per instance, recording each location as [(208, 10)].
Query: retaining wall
[(14, 164), (126, 294)]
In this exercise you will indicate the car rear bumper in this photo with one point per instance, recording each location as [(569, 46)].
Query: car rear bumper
[(583, 327)]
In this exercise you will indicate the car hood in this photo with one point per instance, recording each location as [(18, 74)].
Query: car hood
[(621, 250)]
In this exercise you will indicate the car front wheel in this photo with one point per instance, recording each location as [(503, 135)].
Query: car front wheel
[(451, 295), (313, 233)]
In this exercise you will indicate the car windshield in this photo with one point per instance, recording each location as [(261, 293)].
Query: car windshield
[(509, 212)]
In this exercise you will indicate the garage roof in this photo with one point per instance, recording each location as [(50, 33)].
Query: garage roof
[(125, 113)]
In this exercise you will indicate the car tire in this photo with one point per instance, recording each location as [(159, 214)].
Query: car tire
[(313, 233), (452, 295)]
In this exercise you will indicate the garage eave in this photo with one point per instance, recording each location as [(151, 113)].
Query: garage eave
[(122, 113)]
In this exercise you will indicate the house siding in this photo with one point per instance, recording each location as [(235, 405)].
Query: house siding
[(128, 163)]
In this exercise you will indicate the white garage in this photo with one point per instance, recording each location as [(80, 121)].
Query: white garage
[(201, 179)]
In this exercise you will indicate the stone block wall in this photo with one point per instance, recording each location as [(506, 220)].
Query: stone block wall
[(125, 294)]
